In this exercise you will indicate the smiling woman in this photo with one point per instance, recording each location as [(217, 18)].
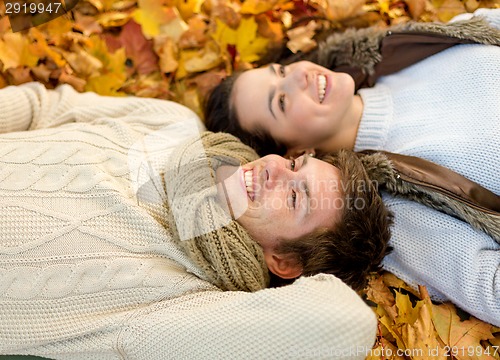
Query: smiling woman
[(300, 105)]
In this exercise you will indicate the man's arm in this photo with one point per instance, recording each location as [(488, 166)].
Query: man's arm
[(454, 261), (31, 106), (315, 318)]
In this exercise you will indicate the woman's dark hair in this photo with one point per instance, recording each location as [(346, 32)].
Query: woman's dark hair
[(220, 116)]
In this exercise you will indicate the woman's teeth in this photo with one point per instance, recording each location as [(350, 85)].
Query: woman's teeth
[(321, 87), (249, 181)]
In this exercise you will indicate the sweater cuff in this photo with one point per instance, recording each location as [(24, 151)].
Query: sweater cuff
[(377, 114)]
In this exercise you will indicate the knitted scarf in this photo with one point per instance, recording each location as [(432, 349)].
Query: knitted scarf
[(226, 253)]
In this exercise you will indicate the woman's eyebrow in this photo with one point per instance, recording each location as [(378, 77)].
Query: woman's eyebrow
[(271, 93)]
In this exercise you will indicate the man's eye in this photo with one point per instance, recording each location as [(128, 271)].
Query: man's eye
[(281, 103), (294, 198), (281, 71)]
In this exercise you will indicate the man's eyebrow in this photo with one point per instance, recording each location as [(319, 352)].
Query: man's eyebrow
[(306, 187), (271, 93)]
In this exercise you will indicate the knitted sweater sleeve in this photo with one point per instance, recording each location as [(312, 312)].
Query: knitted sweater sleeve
[(318, 317), (31, 106)]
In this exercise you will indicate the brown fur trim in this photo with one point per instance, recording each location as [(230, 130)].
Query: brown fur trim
[(381, 171)]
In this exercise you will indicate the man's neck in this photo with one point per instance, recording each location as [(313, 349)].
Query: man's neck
[(345, 138)]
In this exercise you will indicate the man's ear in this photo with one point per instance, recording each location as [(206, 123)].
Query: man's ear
[(295, 153), (286, 266)]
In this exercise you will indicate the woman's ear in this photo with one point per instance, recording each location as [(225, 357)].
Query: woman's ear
[(295, 153), (286, 266)]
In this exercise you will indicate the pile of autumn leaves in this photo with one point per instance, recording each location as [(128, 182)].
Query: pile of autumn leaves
[(180, 49)]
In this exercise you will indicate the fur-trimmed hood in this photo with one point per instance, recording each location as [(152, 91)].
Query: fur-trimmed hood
[(369, 53), (435, 186)]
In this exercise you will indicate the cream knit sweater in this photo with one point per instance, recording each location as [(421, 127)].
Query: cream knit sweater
[(87, 273)]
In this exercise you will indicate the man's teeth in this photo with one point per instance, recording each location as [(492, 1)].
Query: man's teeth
[(321, 87), (249, 181)]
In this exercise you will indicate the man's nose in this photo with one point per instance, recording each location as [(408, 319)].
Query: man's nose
[(277, 175)]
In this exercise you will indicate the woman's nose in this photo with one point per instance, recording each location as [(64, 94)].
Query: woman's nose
[(295, 80)]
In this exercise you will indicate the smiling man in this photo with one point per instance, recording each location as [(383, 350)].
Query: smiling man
[(309, 215)]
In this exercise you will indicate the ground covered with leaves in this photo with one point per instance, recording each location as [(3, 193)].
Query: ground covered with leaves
[(179, 49)]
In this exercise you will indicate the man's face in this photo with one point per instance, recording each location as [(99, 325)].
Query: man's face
[(276, 199), (299, 105)]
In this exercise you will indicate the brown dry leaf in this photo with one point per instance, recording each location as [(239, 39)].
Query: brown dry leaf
[(206, 59), (339, 10), (166, 49), (301, 38), (76, 82), (392, 280), (4, 24), (447, 9), (420, 337), (461, 335), (175, 26), (19, 75), (88, 25), (379, 293), (416, 8), (83, 63), (153, 85), (41, 72), (195, 36)]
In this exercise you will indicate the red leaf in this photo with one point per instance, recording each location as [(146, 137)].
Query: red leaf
[(140, 55)]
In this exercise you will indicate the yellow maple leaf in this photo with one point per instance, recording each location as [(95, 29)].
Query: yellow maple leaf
[(42, 49), (224, 35), (463, 337), (16, 50), (248, 43), (150, 15), (107, 84), (113, 73)]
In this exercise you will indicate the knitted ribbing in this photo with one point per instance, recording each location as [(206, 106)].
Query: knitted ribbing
[(220, 246)]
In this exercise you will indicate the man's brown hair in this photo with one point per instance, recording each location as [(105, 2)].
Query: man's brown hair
[(359, 240)]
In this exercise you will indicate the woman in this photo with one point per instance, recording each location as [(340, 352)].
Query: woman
[(115, 241), (444, 108)]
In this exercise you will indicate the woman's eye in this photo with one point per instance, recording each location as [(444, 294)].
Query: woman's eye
[(292, 165), (281, 70), (281, 103)]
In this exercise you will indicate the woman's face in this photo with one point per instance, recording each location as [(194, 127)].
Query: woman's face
[(299, 105)]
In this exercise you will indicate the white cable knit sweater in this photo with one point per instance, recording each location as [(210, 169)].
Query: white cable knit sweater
[(446, 109), (85, 273)]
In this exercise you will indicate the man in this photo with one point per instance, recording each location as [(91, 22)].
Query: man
[(115, 242)]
